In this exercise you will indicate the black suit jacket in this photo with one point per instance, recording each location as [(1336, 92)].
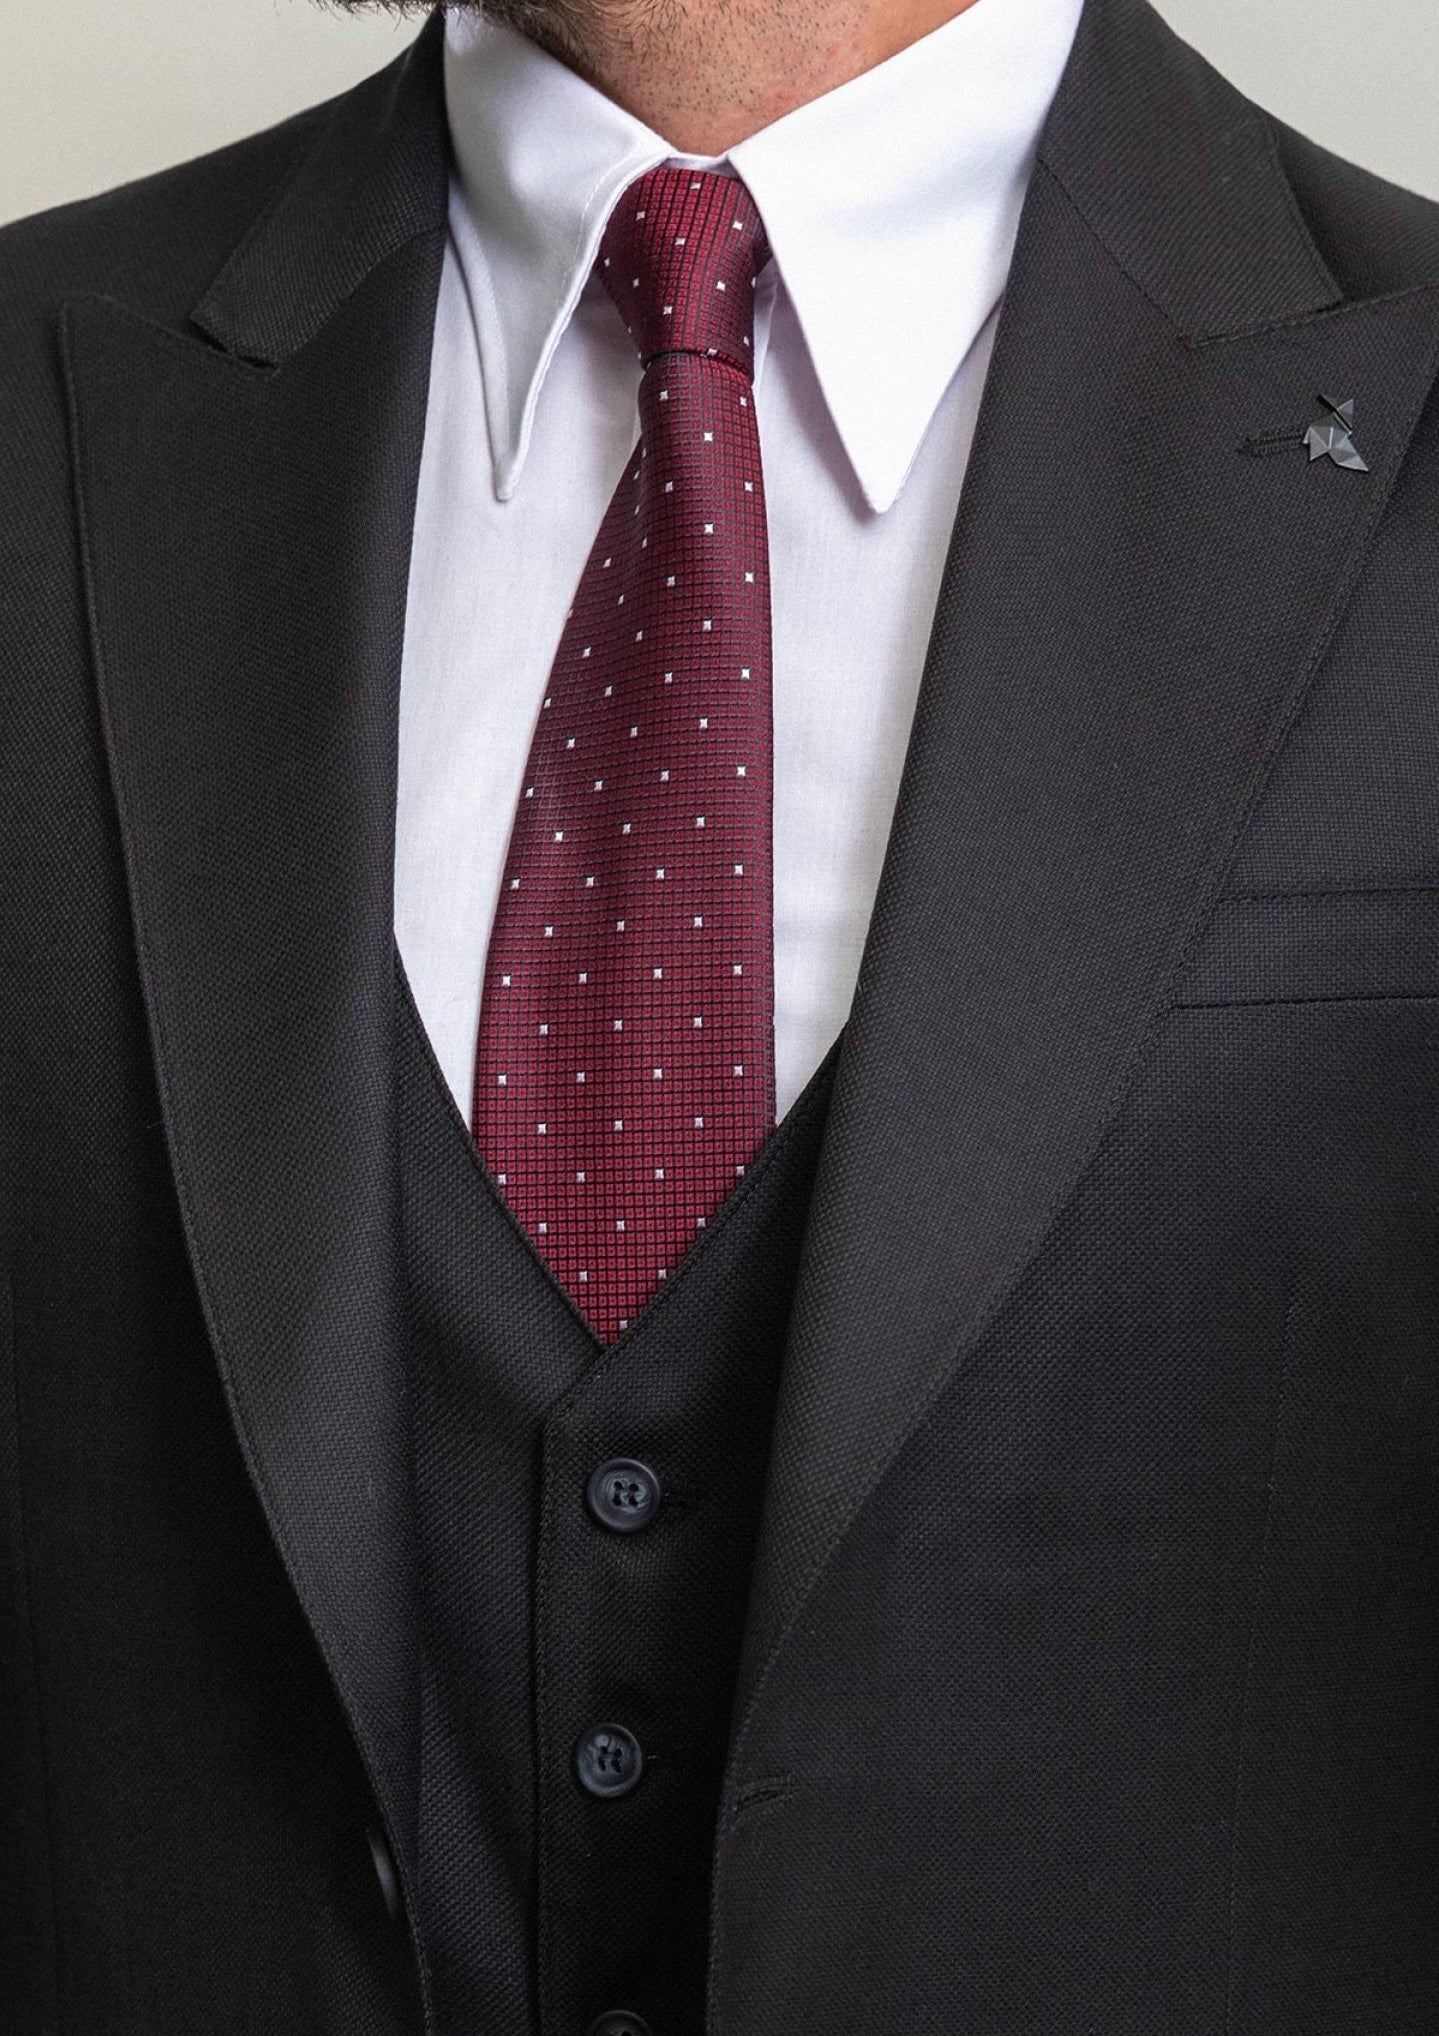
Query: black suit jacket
[(1092, 1672)]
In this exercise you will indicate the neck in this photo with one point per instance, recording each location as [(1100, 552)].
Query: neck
[(707, 73)]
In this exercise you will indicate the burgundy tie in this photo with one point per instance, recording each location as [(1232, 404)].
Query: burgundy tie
[(624, 1077)]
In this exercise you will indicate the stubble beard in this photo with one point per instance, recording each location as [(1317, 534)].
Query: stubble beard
[(564, 27)]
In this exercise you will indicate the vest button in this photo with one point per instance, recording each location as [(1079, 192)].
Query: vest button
[(619, 2023), (609, 1761), (623, 1495)]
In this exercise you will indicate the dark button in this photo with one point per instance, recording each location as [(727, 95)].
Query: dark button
[(385, 1874), (609, 1761), (620, 2022), (624, 1495)]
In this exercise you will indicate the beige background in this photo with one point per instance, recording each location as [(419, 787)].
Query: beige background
[(93, 92)]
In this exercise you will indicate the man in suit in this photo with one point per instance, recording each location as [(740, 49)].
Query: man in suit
[(718, 1283)]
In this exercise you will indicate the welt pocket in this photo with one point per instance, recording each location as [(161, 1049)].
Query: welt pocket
[(1300, 946)]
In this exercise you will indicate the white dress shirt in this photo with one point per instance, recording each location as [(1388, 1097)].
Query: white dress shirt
[(891, 206)]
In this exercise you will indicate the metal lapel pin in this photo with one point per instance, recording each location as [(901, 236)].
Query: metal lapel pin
[(1333, 437)]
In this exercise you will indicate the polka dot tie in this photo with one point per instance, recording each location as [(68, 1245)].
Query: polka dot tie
[(624, 1077)]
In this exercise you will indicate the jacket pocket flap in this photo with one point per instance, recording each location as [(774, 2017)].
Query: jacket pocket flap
[(1299, 945)]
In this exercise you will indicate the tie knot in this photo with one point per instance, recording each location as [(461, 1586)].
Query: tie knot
[(680, 257)]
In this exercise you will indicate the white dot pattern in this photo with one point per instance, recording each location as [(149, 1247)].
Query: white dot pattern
[(629, 991)]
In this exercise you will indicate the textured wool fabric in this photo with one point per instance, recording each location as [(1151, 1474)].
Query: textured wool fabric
[(624, 1073), (538, 1623), (1089, 1675)]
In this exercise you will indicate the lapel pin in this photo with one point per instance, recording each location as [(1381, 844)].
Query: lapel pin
[(1332, 437)]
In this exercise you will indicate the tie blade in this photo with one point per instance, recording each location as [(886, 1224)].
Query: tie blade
[(624, 1070)]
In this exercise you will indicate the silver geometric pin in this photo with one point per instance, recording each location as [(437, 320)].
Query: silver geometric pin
[(1333, 437)]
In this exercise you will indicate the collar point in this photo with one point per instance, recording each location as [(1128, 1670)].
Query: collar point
[(507, 475), (880, 481)]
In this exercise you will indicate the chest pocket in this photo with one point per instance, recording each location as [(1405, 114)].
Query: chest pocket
[(1313, 946)]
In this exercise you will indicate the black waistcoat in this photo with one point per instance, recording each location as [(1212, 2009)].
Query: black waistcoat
[(544, 1905)]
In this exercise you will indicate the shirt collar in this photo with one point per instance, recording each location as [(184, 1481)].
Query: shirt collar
[(898, 193)]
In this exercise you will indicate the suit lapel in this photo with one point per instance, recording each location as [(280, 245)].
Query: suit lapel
[(1131, 612), (246, 513), (1130, 616)]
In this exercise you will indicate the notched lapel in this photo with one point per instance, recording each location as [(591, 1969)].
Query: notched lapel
[(246, 533), (1130, 615)]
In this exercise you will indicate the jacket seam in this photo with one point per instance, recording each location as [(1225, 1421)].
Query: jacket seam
[(1346, 307), (1334, 997), (1330, 891)]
